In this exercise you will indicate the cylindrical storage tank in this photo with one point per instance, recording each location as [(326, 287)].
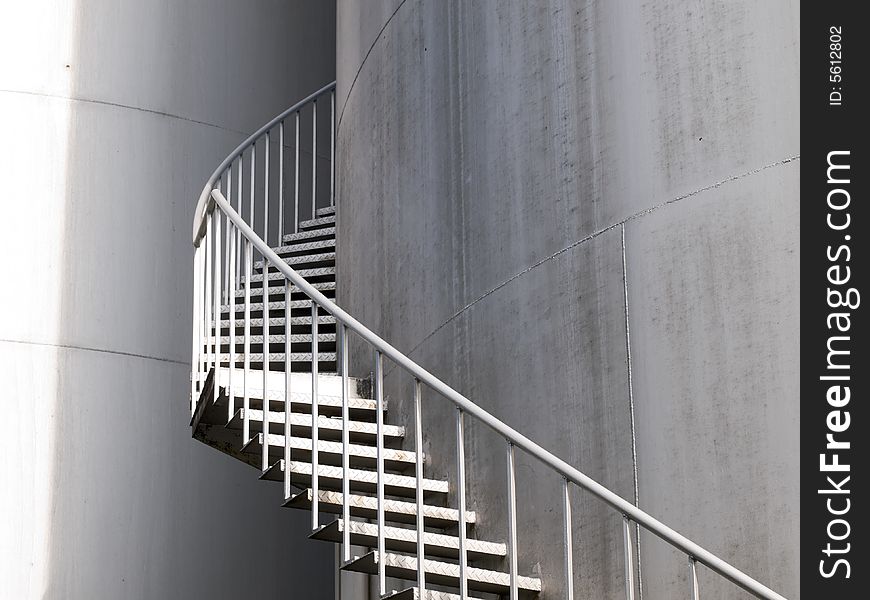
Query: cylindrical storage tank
[(112, 116), (584, 217)]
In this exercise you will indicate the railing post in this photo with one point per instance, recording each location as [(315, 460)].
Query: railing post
[(238, 231), (379, 408), (314, 159), (281, 183), (231, 395), (267, 414), (345, 444), (227, 274), (266, 189), (512, 519), (693, 578), (246, 399), (216, 214), (288, 372), (569, 541), (332, 148), (629, 558), (315, 422), (460, 479), (252, 182), (194, 341), (296, 174), (208, 325), (418, 473)]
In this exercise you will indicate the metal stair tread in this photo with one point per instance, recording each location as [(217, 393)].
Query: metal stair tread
[(302, 259), (404, 539), (328, 428), (324, 212), (289, 238), (361, 480), (398, 511), (403, 566), (329, 391), (279, 321), (317, 222), (278, 290), (413, 593), (277, 305), (280, 357), (275, 338), (304, 246), (360, 455), (306, 273)]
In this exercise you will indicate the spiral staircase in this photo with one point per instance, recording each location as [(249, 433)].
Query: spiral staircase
[(270, 386)]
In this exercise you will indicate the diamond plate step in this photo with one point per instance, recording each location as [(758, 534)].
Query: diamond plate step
[(328, 388), (365, 482), (441, 573), (398, 511), (329, 428), (277, 291), (296, 338), (303, 236), (324, 257), (280, 357), (274, 305), (279, 321), (319, 222), (414, 594), (306, 247), (403, 539), (306, 273), (325, 212), (361, 457)]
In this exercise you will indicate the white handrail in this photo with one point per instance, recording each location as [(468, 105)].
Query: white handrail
[(650, 523)]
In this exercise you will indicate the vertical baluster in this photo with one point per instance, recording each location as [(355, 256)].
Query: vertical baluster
[(315, 418), (208, 325), (418, 474), (460, 482), (266, 189), (246, 399), (296, 173), (239, 231), (629, 558), (288, 371), (194, 342), (693, 578), (332, 147), (253, 180), (264, 464), (217, 300), (230, 286), (512, 519), (231, 394), (345, 444), (281, 183), (314, 158), (226, 280), (569, 541), (379, 408)]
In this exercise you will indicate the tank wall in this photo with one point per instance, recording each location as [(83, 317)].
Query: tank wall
[(530, 193), (112, 116)]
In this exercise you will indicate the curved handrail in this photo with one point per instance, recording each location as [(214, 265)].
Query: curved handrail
[(199, 213), (512, 436)]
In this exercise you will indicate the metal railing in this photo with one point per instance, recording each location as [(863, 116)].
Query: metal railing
[(213, 209)]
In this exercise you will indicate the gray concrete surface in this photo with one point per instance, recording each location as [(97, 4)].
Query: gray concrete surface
[(489, 155), (112, 116)]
